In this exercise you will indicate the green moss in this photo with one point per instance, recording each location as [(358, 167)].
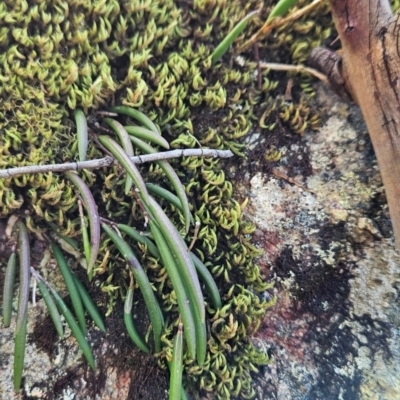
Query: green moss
[(57, 56)]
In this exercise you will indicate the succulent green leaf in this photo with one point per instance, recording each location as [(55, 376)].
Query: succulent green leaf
[(82, 133), (176, 368), (172, 177), (19, 352), (147, 134), (281, 8), (130, 327), (86, 241), (8, 290), (51, 306), (89, 304), (208, 280), (24, 275), (180, 290), (201, 341), (155, 313), (22, 312), (73, 243), (118, 152), (179, 249), (126, 145), (93, 216), (71, 286), (76, 331), (134, 234), (136, 114), (223, 47)]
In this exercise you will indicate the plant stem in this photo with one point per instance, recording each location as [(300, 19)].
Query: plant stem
[(273, 23), (107, 161), (295, 68)]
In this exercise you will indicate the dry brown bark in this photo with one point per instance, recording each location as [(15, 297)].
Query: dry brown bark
[(368, 71)]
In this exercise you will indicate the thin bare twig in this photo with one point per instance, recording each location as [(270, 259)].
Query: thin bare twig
[(195, 234), (257, 58), (283, 175), (277, 22), (106, 114), (288, 91), (107, 161), (138, 200), (295, 68)]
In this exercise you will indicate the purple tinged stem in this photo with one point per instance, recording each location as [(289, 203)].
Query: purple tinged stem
[(94, 219), (24, 275)]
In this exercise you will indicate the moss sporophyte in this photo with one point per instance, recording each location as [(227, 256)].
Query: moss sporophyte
[(61, 63)]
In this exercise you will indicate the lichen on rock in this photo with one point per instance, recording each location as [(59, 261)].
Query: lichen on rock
[(153, 55)]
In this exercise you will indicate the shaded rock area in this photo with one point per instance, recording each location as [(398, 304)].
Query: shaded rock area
[(323, 223), (55, 369), (334, 332)]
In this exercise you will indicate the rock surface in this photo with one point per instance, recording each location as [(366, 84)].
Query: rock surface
[(335, 330)]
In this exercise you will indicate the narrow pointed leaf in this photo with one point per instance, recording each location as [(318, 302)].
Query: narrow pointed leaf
[(82, 134), (202, 271), (22, 312), (89, 304), (183, 394), (130, 327), (201, 341), (86, 242), (206, 277), (136, 114), (141, 278), (76, 331), (147, 134), (281, 8), (165, 194), (24, 275), (51, 306), (172, 177), (179, 287), (19, 352), (126, 145), (223, 47), (118, 152), (8, 291), (134, 234), (73, 243), (184, 261), (176, 368), (71, 286), (93, 216)]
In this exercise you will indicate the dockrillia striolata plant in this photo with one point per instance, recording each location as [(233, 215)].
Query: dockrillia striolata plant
[(168, 246)]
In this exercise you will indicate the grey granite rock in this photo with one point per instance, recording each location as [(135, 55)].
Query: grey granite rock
[(334, 332)]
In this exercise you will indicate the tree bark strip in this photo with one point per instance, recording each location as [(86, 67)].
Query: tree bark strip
[(370, 72)]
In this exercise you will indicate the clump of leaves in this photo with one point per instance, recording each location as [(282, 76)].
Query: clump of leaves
[(79, 297), (169, 247)]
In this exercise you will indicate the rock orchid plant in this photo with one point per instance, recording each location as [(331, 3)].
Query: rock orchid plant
[(184, 268)]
